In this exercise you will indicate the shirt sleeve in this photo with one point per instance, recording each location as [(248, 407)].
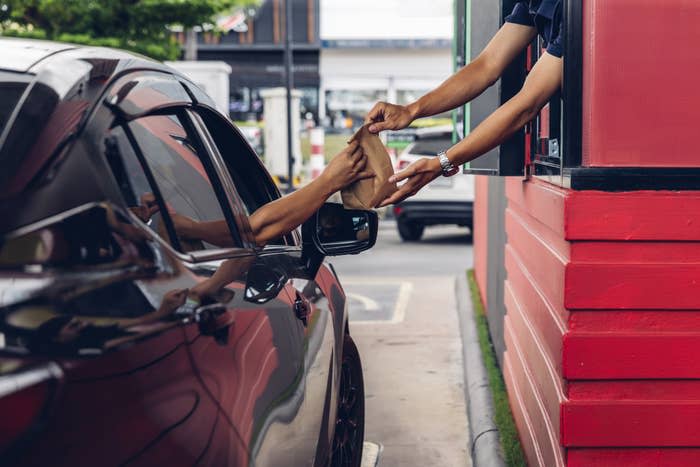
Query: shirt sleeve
[(556, 45), (520, 15)]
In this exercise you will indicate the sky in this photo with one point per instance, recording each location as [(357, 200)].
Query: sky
[(386, 19)]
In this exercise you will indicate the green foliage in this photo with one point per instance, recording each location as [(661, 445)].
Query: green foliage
[(137, 25), (510, 442)]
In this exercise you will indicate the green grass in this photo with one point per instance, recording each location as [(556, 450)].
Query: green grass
[(332, 145), (510, 443)]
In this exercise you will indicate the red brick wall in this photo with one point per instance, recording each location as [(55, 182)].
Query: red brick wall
[(602, 328)]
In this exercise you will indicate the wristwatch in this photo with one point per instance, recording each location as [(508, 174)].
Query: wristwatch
[(448, 168)]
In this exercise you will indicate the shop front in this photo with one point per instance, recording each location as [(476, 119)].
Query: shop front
[(587, 238)]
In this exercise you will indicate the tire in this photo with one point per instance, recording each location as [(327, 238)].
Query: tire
[(349, 433), (410, 231)]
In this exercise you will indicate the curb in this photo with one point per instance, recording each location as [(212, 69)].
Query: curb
[(484, 438)]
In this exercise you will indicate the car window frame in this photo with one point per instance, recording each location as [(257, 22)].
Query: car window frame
[(293, 239), (243, 246)]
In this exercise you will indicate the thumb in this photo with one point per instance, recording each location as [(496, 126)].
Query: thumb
[(379, 126)]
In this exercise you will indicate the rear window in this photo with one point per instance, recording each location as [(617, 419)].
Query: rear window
[(431, 146)]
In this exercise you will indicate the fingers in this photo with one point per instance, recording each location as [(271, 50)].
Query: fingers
[(360, 163), (364, 175), (377, 113), (353, 145), (397, 197), (403, 175), (380, 126)]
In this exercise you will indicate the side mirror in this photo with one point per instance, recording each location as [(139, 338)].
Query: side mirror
[(336, 231)]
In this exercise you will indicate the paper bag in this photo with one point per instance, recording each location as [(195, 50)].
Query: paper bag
[(368, 193)]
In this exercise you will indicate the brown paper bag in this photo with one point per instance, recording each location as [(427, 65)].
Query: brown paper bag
[(368, 193)]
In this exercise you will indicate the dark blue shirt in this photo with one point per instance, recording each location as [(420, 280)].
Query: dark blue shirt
[(546, 16)]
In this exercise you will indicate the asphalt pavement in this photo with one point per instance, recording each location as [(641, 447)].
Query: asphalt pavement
[(403, 318)]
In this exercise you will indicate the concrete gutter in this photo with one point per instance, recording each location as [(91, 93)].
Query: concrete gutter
[(484, 438)]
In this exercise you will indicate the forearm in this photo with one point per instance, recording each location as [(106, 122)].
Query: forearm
[(284, 215), (458, 89), (213, 232), (477, 76), (493, 131), (544, 79)]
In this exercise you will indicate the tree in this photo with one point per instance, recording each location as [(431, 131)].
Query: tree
[(137, 25)]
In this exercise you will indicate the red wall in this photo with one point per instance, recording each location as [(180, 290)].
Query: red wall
[(480, 234), (640, 74), (602, 328)]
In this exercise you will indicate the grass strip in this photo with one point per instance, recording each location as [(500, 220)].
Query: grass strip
[(510, 443)]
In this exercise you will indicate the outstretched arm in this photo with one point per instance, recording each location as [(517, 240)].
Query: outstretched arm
[(460, 88), (283, 215), (544, 79)]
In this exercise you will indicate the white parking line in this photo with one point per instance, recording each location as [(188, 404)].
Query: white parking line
[(402, 299)]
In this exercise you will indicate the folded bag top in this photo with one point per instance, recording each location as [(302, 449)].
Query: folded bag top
[(370, 192)]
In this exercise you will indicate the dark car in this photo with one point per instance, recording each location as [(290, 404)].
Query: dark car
[(105, 357)]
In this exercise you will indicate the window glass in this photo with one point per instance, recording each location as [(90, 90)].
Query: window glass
[(431, 146), (252, 183), (10, 93), (180, 178)]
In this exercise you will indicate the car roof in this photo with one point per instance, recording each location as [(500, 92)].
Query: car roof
[(20, 55), (29, 55), (53, 86)]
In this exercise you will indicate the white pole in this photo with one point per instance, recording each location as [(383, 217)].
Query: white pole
[(318, 159)]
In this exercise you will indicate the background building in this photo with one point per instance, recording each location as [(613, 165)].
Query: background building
[(393, 50), (254, 48)]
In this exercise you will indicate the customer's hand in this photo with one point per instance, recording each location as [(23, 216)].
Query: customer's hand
[(185, 227), (385, 116), (417, 175), (346, 168)]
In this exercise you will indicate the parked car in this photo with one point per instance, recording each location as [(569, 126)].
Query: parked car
[(105, 356), (446, 200)]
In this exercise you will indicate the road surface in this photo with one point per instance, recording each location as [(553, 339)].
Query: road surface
[(404, 321)]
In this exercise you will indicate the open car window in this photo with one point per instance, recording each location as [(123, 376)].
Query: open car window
[(175, 193), (252, 182)]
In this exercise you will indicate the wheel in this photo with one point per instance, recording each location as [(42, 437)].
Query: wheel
[(410, 231), (350, 419)]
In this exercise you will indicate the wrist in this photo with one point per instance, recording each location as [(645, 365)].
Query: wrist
[(414, 110), (326, 185), (435, 166)]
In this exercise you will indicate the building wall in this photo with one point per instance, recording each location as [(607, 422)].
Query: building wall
[(603, 325)]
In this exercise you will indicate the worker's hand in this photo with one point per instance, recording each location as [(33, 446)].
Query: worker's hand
[(346, 168), (417, 175), (385, 116)]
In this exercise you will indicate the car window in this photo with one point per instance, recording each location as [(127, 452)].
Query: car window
[(176, 177), (430, 146), (252, 182)]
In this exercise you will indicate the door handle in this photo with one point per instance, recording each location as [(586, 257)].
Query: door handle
[(302, 308), (214, 320)]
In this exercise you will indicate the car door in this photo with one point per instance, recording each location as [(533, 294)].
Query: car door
[(163, 179), (291, 420)]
